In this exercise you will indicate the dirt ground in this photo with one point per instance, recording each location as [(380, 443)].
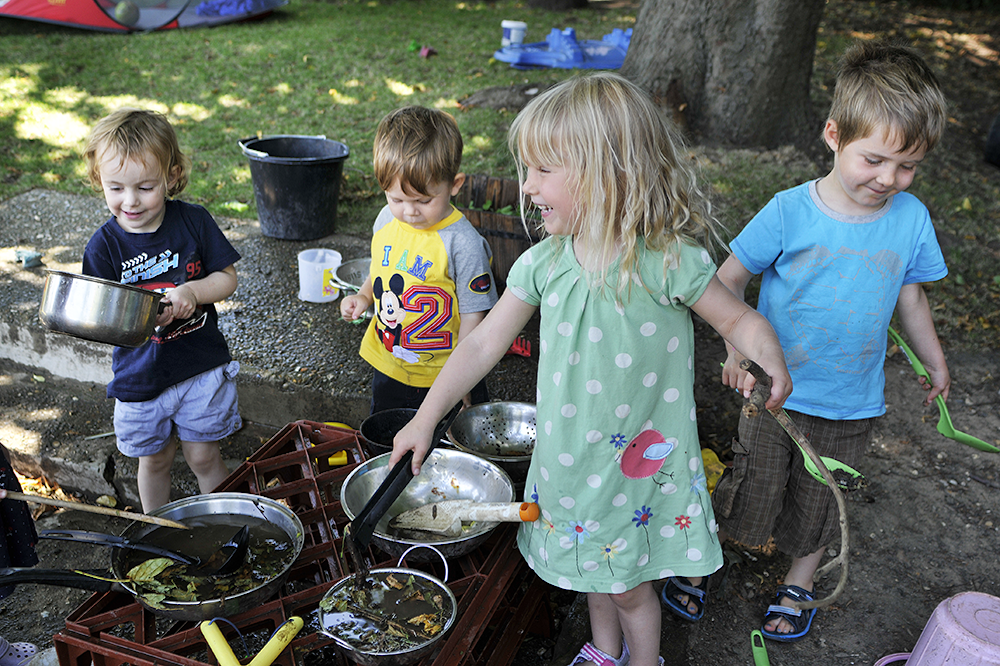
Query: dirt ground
[(924, 529)]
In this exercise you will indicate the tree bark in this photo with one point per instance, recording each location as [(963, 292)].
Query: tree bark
[(732, 72)]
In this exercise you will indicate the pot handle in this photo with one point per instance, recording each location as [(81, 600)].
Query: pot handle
[(424, 545), (93, 580)]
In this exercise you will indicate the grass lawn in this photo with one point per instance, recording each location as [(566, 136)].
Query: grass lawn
[(334, 68)]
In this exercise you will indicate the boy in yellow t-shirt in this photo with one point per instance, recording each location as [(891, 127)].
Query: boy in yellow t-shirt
[(430, 277)]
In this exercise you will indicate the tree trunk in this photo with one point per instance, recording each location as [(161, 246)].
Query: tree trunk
[(732, 72)]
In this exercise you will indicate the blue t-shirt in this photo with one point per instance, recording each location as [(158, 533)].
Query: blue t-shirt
[(188, 246), (829, 287)]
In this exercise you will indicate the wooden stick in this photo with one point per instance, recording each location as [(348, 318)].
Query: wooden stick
[(80, 506), (754, 405)]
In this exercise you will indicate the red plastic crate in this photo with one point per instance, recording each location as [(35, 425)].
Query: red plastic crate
[(499, 598)]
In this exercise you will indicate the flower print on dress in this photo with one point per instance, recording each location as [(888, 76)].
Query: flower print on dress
[(699, 484), (609, 551), (619, 442), (683, 522), (645, 454), (578, 532), (641, 519)]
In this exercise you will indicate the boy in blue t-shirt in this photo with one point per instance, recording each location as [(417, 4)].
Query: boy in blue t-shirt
[(837, 256), (180, 384)]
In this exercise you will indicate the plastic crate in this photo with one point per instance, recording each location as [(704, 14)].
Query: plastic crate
[(499, 598)]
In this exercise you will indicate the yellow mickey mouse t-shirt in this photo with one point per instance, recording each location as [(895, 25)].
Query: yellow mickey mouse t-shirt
[(423, 280)]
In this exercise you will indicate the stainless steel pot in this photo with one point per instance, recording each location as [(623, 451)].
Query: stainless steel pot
[(98, 310), (446, 474), (399, 657), (236, 507)]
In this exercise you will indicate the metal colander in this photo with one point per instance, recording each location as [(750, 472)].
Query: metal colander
[(352, 274), (502, 432)]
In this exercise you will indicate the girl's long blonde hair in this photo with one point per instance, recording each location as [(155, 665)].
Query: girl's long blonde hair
[(625, 170)]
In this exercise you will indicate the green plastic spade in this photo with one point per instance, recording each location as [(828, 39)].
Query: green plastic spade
[(944, 425)]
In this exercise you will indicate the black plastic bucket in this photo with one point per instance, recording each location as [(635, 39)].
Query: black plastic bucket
[(379, 429), (296, 183)]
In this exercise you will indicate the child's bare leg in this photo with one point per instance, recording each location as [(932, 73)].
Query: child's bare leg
[(638, 612), (153, 477), (801, 574), (205, 460), (605, 628)]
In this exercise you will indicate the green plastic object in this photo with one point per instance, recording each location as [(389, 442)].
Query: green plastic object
[(759, 650), (944, 425)]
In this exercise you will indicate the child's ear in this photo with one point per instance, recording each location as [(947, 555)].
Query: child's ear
[(831, 135), (456, 185), (173, 176)]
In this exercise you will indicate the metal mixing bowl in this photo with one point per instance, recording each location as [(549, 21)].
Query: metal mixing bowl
[(502, 432), (352, 274), (446, 474)]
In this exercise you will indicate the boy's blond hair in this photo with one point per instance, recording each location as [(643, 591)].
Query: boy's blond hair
[(887, 88), (417, 147), (137, 134), (626, 168)]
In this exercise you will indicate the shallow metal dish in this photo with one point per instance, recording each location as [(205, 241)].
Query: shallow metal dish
[(502, 432), (446, 474), (352, 274), (98, 310)]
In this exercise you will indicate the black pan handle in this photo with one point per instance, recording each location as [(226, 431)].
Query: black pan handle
[(62, 577), (363, 525), (101, 539)]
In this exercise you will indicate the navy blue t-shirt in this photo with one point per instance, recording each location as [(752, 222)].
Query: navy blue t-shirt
[(188, 246)]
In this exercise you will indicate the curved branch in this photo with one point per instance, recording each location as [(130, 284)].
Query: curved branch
[(753, 406)]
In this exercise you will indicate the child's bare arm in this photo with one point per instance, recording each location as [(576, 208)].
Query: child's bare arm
[(471, 360), (915, 316), (212, 288), (752, 335), (352, 307), (469, 322), (735, 277)]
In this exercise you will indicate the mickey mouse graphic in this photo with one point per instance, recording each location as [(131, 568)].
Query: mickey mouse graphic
[(390, 316)]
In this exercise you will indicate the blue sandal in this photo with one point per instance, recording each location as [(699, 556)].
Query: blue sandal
[(678, 585), (800, 620)]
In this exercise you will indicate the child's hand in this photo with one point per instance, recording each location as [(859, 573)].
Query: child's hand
[(940, 383), (352, 307), (413, 437), (181, 303)]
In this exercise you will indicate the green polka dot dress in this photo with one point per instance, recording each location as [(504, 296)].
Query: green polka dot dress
[(617, 468)]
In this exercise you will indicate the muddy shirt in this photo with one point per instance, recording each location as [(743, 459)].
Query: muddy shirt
[(829, 287), (617, 469)]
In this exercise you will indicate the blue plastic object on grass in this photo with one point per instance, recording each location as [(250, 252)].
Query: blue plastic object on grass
[(562, 49)]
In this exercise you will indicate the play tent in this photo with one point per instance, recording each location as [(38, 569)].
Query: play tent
[(133, 15)]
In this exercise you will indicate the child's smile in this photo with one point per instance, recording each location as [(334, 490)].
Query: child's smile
[(867, 171), (135, 194)]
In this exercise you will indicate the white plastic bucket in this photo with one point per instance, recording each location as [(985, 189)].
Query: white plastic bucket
[(513, 33), (964, 630), (318, 274)]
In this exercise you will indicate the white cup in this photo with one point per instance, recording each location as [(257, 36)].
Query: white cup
[(513, 33), (317, 272)]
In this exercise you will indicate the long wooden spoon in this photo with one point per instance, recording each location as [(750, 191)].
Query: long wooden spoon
[(80, 506)]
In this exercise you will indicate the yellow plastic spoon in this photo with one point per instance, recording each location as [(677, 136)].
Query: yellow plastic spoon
[(944, 425)]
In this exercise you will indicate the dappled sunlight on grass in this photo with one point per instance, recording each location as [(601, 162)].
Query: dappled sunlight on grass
[(43, 123), (399, 88), (340, 98)]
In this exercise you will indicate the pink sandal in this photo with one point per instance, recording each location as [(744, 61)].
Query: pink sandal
[(16, 654), (590, 653)]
